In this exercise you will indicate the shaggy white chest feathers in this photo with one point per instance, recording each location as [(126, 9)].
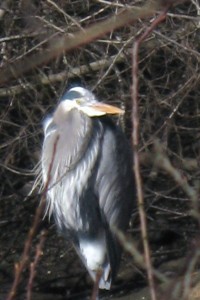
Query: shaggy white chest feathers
[(70, 173)]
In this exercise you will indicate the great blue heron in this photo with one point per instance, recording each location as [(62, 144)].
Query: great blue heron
[(91, 185)]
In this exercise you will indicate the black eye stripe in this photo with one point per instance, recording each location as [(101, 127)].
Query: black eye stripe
[(71, 95)]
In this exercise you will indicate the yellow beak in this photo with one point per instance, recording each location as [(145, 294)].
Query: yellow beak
[(97, 109), (94, 109)]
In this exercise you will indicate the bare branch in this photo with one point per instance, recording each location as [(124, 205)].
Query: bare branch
[(135, 140), (82, 37)]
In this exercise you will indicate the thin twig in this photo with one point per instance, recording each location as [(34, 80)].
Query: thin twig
[(135, 139), (163, 162), (60, 10), (130, 247), (33, 265), (19, 267)]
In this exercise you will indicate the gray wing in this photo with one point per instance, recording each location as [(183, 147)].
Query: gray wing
[(115, 188), (115, 180)]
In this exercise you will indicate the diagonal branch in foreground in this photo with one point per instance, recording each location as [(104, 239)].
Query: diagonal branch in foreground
[(19, 267), (82, 37)]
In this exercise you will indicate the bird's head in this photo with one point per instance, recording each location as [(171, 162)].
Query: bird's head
[(81, 99), (85, 101)]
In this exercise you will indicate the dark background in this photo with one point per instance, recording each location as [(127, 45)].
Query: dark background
[(169, 108)]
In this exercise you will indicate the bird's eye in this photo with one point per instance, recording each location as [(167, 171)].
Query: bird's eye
[(80, 101)]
